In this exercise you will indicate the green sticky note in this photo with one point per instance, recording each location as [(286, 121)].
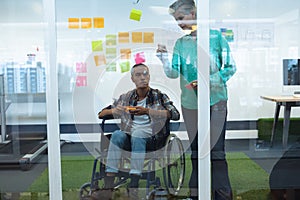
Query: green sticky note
[(111, 40), (135, 14), (112, 67), (111, 51), (97, 45), (125, 66)]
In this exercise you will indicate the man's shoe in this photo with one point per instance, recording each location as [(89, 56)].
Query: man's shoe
[(193, 194), (102, 194)]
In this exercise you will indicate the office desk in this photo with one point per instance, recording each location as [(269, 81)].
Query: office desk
[(288, 102)]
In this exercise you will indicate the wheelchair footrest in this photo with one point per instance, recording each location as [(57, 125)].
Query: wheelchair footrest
[(122, 181)]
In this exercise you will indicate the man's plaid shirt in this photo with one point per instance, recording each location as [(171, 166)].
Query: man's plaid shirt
[(156, 100)]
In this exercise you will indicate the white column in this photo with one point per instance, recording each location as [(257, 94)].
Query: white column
[(203, 100), (53, 133)]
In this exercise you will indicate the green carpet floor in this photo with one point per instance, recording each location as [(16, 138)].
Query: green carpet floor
[(248, 179)]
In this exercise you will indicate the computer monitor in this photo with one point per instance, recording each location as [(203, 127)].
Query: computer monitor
[(291, 74)]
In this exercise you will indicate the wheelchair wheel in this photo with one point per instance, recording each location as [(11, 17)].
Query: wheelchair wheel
[(174, 165), (85, 191)]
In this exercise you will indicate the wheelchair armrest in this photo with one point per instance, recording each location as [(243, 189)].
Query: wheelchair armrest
[(106, 117)]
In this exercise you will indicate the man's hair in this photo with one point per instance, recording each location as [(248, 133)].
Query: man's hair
[(136, 65), (190, 5)]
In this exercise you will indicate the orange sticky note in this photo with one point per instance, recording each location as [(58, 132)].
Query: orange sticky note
[(86, 23), (123, 37), (125, 53), (148, 37), (137, 37), (73, 23), (100, 60), (98, 22)]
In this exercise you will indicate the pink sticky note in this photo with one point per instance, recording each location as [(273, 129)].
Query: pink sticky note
[(81, 81), (81, 67), (139, 58)]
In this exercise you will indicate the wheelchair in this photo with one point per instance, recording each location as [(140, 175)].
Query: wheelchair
[(169, 158)]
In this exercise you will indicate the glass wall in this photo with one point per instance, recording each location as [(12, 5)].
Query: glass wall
[(95, 45), (260, 40), (23, 61)]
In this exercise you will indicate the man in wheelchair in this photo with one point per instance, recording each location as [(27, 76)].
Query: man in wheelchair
[(143, 112)]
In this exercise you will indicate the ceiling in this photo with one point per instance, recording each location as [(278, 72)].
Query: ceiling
[(32, 10)]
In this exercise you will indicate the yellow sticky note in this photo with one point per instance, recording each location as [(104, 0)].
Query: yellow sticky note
[(125, 53), (137, 37), (97, 45), (148, 37), (123, 37), (86, 23), (111, 40), (125, 66), (100, 60), (135, 14), (98, 22), (73, 23)]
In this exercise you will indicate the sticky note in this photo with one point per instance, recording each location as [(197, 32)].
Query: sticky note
[(135, 14), (111, 40), (86, 23), (100, 60), (139, 58), (125, 66), (111, 51), (148, 37), (112, 67), (81, 67), (125, 53), (123, 37), (73, 23), (97, 45), (81, 81), (98, 22), (137, 37)]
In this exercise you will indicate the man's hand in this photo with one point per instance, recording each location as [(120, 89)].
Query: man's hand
[(138, 110), (118, 110)]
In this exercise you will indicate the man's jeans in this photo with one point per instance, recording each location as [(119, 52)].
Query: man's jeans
[(121, 141)]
